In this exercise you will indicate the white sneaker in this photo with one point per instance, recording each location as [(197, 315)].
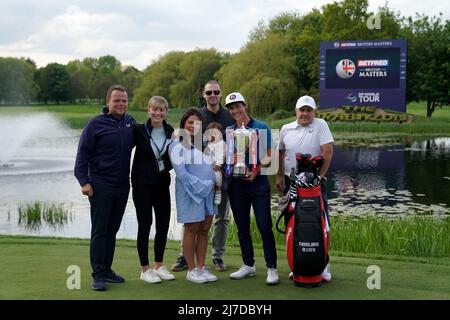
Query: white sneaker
[(164, 274), (272, 277), (326, 274), (243, 272), (208, 275), (218, 197), (291, 275), (150, 276), (195, 275)]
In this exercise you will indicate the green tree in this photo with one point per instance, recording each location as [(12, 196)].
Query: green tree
[(196, 68), (131, 78), (80, 76), (106, 72), (266, 94), (428, 60), (179, 77), (263, 65), (157, 79), (17, 81), (293, 25), (54, 83)]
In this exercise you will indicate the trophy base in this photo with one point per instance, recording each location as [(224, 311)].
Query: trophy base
[(239, 172)]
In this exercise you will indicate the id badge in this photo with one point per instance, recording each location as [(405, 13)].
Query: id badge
[(160, 165)]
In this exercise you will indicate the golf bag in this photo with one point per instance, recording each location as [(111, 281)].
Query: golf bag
[(307, 226)]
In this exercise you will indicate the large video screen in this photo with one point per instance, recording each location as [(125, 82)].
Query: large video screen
[(363, 73)]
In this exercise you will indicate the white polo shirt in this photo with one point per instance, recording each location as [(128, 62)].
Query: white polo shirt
[(295, 138)]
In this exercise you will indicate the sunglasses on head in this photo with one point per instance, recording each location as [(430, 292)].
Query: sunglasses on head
[(209, 92)]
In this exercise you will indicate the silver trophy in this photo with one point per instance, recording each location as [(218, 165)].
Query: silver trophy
[(243, 139)]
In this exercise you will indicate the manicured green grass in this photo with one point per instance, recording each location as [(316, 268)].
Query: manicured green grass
[(420, 109), (76, 116), (438, 124), (35, 268), (416, 236)]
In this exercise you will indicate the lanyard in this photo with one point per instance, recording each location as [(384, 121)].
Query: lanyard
[(160, 150)]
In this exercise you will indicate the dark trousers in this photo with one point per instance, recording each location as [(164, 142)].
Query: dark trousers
[(256, 194), (107, 208), (145, 198), (287, 184)]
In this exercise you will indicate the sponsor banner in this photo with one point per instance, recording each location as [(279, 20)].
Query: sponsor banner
[(363, 73)]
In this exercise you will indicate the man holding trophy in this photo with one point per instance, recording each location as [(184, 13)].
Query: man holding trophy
[(248, 149)]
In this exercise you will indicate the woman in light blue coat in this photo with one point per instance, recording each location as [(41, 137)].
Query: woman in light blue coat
[(194, 193)]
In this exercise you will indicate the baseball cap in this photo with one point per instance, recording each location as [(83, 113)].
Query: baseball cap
[(306, 101), (234, 97)]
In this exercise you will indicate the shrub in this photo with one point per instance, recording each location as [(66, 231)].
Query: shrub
[(281, 114)]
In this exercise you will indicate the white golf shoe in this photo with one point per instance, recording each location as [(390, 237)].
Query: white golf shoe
[(243, 272), (272, 277), (150, 276), (326, 274)]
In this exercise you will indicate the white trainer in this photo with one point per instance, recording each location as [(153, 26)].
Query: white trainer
[(150, 276), (272, 277), (218, 198), (326, 274), (196, 276), (164, 274), (208, 275), (243, 272)]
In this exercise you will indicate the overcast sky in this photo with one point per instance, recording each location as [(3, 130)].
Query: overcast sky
[(139, 31)]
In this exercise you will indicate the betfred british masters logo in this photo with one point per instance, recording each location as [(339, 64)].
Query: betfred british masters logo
[(345, 68)]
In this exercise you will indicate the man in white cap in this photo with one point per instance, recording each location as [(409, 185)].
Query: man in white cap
[(252, 191), (305, 135)]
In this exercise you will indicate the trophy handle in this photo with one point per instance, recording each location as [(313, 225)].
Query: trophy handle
[(229, 151), (254, 150)]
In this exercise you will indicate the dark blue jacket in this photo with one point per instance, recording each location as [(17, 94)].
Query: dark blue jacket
[(104, 150)]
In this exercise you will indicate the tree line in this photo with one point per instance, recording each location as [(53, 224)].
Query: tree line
[(279, 62), (21, 82)]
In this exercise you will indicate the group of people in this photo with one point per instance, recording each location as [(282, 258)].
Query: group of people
[(203, 194)]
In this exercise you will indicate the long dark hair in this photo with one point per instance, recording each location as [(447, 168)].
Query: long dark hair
[(192, 111)]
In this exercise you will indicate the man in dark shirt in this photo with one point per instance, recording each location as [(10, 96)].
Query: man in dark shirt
[(214, 112), (102, 168)]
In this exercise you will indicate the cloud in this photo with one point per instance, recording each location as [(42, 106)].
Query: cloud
[(138, 31)]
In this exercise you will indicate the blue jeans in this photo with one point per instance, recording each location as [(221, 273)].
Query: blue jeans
[(244, 195)]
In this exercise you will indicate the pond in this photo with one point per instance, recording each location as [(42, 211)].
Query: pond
[(411, 176)]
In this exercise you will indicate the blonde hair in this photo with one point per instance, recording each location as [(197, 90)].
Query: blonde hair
[(158, 101)]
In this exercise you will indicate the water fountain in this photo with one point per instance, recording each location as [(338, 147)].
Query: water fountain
[(34, 144), (37, 157)]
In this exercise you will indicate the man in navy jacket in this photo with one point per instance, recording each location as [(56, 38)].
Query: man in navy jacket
[(102, 168)]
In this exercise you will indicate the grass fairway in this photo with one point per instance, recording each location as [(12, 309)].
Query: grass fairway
[(76, 116), (35, 268), (437, 125)]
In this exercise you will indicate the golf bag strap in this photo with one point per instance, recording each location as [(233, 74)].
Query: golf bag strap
[(278, 221)]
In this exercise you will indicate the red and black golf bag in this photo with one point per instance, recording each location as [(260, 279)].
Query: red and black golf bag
[(307, 225)]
